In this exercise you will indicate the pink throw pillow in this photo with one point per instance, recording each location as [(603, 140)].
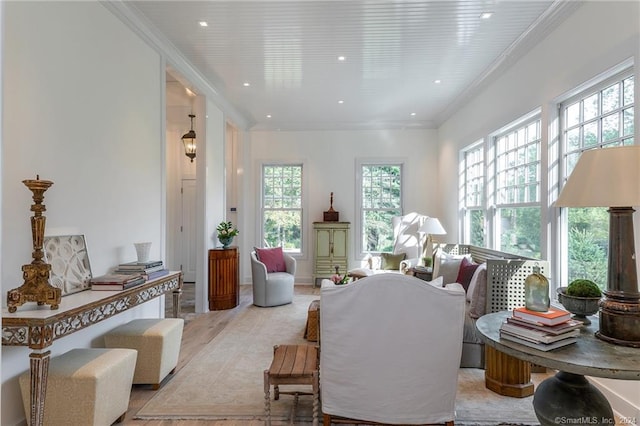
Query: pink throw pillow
[(465, 273), (273, 259)]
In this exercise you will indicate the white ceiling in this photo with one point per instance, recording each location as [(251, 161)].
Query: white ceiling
[(395, 51)]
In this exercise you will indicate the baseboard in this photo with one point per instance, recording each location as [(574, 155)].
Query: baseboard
[(628, 411)]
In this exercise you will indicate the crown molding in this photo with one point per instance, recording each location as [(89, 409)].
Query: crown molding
[(172, 56)]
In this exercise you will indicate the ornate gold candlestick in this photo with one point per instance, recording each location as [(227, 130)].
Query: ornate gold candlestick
[(36, 287)]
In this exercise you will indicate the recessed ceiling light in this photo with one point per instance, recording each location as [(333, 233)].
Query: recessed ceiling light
[(246, 84), (413, 114), (437, 81), (268, 115), (486, 15), (203, 23), (340, 101), (341, 58)]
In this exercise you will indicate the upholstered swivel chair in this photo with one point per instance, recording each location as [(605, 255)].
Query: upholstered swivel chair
[(272, 288)]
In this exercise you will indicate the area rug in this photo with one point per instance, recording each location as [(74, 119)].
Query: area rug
[(225, 379)]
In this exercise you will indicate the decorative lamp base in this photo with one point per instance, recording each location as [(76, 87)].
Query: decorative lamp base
[(620, 321)]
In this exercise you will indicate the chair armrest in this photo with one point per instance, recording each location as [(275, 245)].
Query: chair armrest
[(290, 263), (258, 269), (409, 263)]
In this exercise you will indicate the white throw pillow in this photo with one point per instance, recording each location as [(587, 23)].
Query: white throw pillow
[(447, 266), (474, 280)]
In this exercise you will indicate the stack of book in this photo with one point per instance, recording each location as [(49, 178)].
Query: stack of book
[(116, 281), (149, 270), (541, 330)]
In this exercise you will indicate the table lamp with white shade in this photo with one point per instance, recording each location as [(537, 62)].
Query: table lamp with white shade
[(431, 226), (610, 177)]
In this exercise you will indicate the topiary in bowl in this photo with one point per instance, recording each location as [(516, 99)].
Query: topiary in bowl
[(581, 298)]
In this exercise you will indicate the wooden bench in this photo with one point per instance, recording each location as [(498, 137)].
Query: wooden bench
[(292, 365)]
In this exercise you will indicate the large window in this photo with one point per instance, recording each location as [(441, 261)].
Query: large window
[(381, 199), (601, 116), (472, 182), (282, 206), (517, 188)]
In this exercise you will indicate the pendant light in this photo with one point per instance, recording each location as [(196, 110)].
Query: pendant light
[(189, 141)]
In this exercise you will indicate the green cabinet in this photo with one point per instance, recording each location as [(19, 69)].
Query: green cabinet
[(331, 249)]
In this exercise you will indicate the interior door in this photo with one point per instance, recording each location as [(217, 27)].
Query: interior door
[(188, 230)]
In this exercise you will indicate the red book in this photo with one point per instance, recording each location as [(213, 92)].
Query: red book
[(552, 316)]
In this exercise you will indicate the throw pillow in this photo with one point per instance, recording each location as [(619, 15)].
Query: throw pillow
[(273, 259), (391, 261), (466, 271), (478, 290), (447, 266)]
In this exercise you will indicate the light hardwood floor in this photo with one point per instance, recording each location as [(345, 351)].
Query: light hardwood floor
[(199, 330)]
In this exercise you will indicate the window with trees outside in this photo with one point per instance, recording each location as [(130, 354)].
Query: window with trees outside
[(472, 184), (599, 117), (282, 206), (517, 188), (381, 199)]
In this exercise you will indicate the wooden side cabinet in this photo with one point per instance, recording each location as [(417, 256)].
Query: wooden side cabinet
[(224, 278), (331, 249)]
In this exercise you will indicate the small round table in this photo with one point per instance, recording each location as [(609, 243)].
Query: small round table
[(568, 397)]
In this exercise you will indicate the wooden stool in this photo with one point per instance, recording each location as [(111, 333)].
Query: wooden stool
[(292, 365), (157, 341), (85, 387)]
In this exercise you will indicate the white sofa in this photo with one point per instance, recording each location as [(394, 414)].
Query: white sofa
[(386, 355)]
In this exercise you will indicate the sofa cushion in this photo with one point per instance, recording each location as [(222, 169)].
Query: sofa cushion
[(447, 266), (392, 261), (273, 259), (466, 271)]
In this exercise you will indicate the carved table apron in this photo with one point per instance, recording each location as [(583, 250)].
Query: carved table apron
[(38, 326)]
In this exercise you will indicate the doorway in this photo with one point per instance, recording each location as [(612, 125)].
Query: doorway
[(188, 230)]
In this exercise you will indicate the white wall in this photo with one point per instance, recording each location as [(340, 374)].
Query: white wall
[(329, 159), (83, 107), (597, 37)]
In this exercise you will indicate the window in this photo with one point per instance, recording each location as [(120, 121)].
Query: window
[(517, 188), (598, 117), (472, 177), (381, 199), (282, 206)]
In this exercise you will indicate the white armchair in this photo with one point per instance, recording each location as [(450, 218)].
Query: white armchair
[(386, 356), (272, 288), (406, 240)]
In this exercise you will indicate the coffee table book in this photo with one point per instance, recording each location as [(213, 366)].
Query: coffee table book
[(116, 281), (540, 336), (563, 327), (552, 316), (537, 345)]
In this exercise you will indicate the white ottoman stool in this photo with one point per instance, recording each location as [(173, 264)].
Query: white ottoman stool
[(157, 341), (85, 387)]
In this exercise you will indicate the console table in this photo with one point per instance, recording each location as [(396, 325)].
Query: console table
[(568, 397), (37, 326)]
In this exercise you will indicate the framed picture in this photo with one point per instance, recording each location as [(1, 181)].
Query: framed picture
[(69, 260)]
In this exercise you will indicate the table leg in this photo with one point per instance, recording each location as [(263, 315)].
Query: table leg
[(507, 375), (568, 398), (39, 363), (177, 298)]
